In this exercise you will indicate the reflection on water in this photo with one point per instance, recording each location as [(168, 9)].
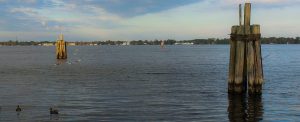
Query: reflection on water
[(244, 107), (54, 117), (60, 61)]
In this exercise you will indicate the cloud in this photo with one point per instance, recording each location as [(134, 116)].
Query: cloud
[(28, 1), (86, 18), (210, 19), (31, 14), (131, 8), (262, 3), (147, 19)]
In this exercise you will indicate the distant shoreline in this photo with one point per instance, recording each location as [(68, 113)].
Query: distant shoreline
[(123, 45), (209, 41)]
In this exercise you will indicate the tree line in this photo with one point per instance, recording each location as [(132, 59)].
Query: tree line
[(269, 40)]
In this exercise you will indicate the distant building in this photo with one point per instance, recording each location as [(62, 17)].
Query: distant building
[(92, 44), (47, 44), (186, 43), (126, 43), (71, 44)]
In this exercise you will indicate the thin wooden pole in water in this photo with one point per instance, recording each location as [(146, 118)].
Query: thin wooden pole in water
[(61, 48)]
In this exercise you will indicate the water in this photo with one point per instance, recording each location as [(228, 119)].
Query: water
[(143, 83)]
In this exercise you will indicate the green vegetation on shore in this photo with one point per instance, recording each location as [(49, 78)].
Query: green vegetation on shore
[(270, 40)]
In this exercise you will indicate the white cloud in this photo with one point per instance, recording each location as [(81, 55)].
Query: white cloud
[(28, 1), (69, 16), (209, 18), (27, 36), (261, 1), (199, 20), (31, 14), (102, 14)]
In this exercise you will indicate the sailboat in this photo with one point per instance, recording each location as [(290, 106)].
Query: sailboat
[(162, 44)]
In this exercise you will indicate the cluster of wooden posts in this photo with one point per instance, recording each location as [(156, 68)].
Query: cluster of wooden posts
[(61, 48), (245, 65)]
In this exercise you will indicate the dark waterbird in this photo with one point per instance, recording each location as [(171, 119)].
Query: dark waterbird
[(52, 111), (18, 109)]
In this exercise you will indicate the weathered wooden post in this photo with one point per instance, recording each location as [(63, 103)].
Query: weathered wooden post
[(61, 48), (245, 64)]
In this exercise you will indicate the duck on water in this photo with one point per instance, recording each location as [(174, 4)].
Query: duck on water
[(18, 109), (52, 111)]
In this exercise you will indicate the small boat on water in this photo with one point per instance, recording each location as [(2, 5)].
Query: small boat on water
[(162, 44)]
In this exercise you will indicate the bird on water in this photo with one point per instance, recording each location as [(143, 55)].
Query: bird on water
[(18, 109), (52, 111)]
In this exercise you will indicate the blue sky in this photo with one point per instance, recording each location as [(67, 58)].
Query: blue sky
[(140, 19)]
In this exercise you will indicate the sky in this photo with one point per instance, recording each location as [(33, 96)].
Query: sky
[(89, 20)]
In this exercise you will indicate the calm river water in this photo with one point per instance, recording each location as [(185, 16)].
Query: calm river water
[(143, 83)]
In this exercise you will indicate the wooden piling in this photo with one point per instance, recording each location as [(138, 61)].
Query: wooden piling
[(247, 14), (61, 48), (240, 14), (240, 64), (249, 50), (231, 77), (250, 65), (245, 65), (258, 60)]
